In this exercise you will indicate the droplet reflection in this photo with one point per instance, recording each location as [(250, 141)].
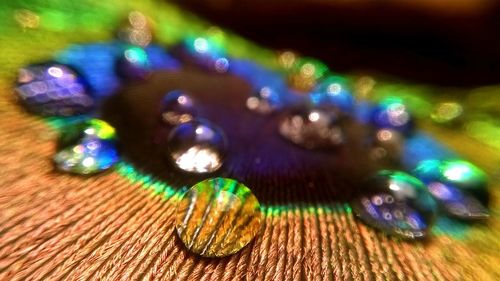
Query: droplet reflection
[(177, 107)]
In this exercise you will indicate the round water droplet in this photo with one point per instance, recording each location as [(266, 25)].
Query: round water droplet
[(136, 29), (333, 91), (87, 148), (305, 74), (197, 146), (459, 187), (53, 89), (264, 101), (177, 107), (313, 128), (207, 52), (392, 113), (133, 64), (387, 145), (218, 217), (397, 204)]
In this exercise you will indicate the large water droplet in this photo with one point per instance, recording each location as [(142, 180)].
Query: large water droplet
[(87, 148), (53, 89), (133, 63), (459, 187), (265, 100), (197, 146), (177, 107), (313, 128), (397, 204), (392, 113), (218, 217)]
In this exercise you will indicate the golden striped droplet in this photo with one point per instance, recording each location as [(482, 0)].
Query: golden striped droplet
[(217, 217)]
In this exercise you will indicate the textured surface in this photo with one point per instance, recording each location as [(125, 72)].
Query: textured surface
[(120, 225)]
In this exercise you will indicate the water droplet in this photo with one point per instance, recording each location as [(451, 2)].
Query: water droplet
[(459, 187), (264, 101), (313, 128), (333, 91), (392, 113), (177, 107), (133, 64), (397, 204), (218, 217), (53, 89), (87, 148), (197, 146)]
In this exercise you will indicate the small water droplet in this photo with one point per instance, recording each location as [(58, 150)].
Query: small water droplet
[(87, 148), (387, 144), (397, 204), (136, 29), (333, 91), (218, 217), (133, 63), (392, 113), (177, 107), (313, 128), (197, 146)]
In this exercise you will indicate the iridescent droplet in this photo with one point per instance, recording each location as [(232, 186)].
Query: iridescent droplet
[(218, 217), (333, 91), (53, 89), (264, 101), (313, 128), (305, 74), (197, 146), (392, 113), (458, 186), (397, 204), (177, 107), (136, 29), (87, 148), (133, 64)]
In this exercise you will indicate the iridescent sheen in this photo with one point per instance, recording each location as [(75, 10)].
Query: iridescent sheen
[(206, 52), (177, 107), (87, 148), (218, 217), (305, 74), (265, 100), (392, 113), (397, 204), (133, 64), (197, 146), (313, 128), (459, 187), (53, 89), (333, 91)]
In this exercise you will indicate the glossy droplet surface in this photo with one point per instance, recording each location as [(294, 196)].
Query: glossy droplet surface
[(264, 101), (333, 91), (218, 217), (87, 148), (197, 146), (177, 107), (312, 128), (53, 89), (397, 204), (133, 64), (458, 186), (392, 113)]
